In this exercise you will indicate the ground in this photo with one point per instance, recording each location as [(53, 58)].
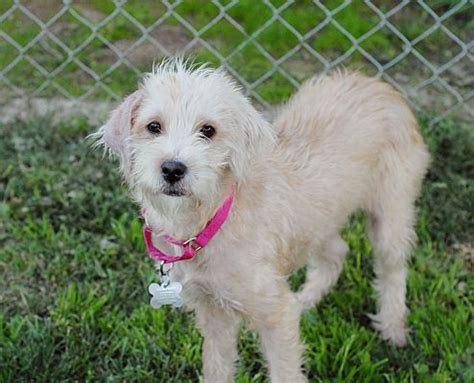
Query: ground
[(74, 304)]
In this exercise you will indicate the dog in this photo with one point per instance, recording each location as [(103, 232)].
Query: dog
[(188, 138)]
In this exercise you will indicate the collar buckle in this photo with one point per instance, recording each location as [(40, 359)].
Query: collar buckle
[(191, 242)]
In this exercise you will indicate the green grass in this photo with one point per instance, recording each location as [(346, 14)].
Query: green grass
[(73, 297), (223, 36)]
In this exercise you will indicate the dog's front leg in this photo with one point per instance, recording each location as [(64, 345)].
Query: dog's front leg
[(280, 336), (220, 331)]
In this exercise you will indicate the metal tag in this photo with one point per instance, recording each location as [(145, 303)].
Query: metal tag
[(165, 294)]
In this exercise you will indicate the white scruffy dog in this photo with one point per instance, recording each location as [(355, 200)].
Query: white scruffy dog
[(342, 143)]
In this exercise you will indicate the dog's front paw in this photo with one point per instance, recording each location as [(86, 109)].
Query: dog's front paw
[(394, 332), (395, 335)]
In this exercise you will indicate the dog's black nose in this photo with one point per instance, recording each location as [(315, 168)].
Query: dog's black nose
[(173, 171)]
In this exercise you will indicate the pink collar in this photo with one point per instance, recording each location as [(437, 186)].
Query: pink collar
[(191, 246)]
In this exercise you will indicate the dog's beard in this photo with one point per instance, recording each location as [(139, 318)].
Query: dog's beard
[(153, 188), (175, 190)]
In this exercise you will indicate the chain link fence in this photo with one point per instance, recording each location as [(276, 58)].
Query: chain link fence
[(74, 55)]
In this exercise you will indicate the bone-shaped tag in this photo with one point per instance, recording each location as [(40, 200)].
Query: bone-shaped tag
[(168, 295)]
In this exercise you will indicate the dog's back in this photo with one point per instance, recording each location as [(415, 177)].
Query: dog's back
[(345, 107), (357, 128)]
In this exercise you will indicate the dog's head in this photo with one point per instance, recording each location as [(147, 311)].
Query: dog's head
[(186, 132)]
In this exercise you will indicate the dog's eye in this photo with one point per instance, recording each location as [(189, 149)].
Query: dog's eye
[(154, 127), (208, 131)]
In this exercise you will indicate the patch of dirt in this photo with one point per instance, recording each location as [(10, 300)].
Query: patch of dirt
[(89, 13), (44, 9), (22, 108), (171, 37), (467, 252), (302, 68)]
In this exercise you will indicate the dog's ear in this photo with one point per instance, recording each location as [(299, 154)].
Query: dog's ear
[(258, 138), (114, 135)]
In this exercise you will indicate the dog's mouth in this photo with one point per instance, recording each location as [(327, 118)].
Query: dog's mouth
[(173, 191)]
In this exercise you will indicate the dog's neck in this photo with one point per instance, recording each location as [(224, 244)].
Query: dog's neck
[(181, 217)]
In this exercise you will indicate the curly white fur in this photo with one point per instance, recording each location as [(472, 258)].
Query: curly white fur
[(342, 143)]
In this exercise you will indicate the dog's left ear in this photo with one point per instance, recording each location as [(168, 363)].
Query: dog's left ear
[(116, 131), (258, 138)]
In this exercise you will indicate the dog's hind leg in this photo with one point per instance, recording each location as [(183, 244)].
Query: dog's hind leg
[(324, 267), (392, 236)]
